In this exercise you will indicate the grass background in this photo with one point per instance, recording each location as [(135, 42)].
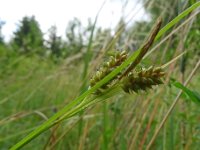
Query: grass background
[(33, 88)]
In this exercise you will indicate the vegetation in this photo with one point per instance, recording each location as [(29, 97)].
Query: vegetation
[(137, 99)]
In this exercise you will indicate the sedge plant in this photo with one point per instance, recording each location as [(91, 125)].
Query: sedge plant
[(118, 74)]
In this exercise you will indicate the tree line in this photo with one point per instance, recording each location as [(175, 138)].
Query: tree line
[(29, 39)]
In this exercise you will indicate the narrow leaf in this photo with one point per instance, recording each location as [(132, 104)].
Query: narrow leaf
[(192, 95)]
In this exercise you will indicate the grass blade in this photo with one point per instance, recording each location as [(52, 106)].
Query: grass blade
[(192, 95)]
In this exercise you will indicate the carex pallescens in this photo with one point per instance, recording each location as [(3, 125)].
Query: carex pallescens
[(108, 67), (143, 79), (130, 79)]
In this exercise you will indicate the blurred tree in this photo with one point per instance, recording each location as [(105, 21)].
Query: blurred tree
[(74, 35), (1, 36), (28, 36), (120, 34), (55, 43), (102, 38), (167, 9)]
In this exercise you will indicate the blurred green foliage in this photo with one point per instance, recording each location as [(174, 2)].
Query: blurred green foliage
[(28, 37)]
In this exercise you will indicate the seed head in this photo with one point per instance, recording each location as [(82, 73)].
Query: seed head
[(107, 67), (142, 80)]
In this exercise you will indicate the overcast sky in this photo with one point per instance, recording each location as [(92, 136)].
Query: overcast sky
[(60, 12)]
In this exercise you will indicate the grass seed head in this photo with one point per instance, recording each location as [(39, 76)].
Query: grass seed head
[(107, 67), (142, 80)]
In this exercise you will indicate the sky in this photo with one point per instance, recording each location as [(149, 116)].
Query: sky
[(60, 12)]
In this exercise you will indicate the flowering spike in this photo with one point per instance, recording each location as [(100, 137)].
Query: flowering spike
[(142, 80), (107, 67)]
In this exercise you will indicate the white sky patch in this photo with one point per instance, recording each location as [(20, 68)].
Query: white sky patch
[(60, 12)]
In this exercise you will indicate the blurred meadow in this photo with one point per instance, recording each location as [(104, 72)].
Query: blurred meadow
[(39, 76)]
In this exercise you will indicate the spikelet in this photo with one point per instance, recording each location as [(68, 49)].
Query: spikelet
[(107, 67), (142, 80)]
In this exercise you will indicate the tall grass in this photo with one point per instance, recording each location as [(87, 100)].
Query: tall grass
[(31, 92), (65, 112)]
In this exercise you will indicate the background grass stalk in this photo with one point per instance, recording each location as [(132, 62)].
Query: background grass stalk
[(172, 107)]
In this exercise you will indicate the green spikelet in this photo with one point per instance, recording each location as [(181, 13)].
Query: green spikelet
[(107, 67), (142, 80)]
